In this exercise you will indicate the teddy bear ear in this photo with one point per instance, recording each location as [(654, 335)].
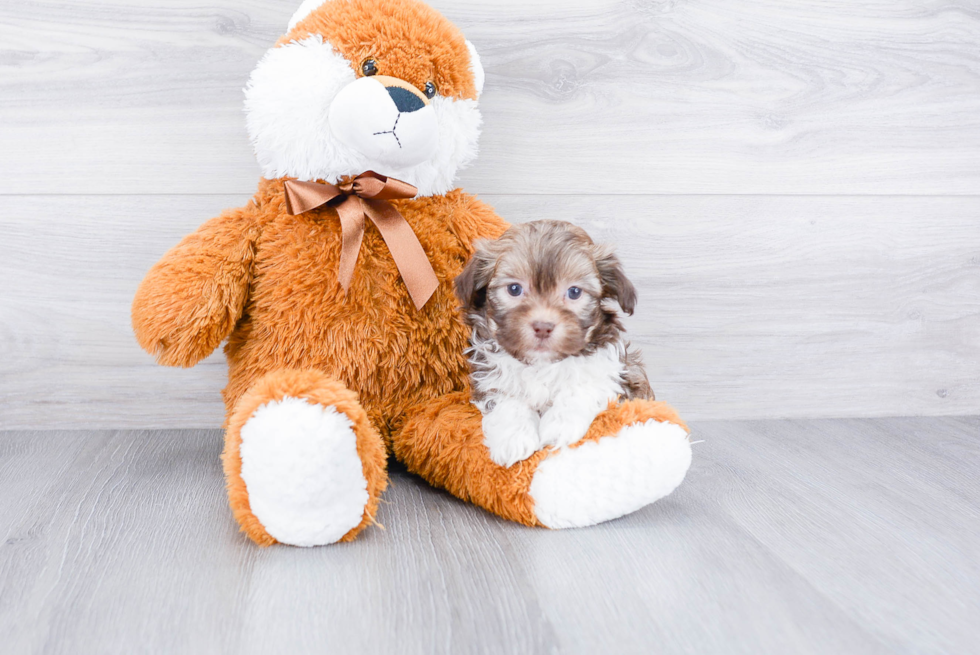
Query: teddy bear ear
[(305, 9), (477, 68)]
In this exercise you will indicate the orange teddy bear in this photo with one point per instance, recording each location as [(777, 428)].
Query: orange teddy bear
[(334, 289)]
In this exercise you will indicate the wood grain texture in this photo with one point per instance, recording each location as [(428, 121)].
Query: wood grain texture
[(833, 536), (611, 96), (750, 307)]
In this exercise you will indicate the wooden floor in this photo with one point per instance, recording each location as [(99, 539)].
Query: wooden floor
[(823, 536)]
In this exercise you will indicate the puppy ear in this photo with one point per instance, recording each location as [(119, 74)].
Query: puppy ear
[(471, 284), (615, 284)]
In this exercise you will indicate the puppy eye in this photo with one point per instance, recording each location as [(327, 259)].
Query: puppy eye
[(574, 293), (515, 289), (369, 67), (430, 90)]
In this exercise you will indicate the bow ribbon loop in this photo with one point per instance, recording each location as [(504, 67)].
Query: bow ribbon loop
[(362, 197)]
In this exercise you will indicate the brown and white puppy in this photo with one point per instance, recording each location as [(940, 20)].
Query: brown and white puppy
[(546, 351)]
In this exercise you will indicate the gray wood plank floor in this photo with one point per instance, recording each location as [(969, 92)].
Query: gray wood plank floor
[(820, 536)]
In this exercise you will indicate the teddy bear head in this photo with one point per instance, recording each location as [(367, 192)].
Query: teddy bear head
[(356, 85)]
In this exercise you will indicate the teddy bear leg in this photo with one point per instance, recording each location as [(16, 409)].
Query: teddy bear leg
[(303, 464), (634, 454)]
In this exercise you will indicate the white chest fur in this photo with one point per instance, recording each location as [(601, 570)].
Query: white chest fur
[(528, 406), (598, 376)]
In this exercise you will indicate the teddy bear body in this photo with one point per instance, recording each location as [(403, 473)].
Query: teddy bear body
[(371, 337), (334, 366)]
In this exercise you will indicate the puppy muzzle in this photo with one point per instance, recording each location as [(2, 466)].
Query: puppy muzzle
[(385, 119)]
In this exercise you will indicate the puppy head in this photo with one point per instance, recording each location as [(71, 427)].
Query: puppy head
[(539, 291), (355, 85)]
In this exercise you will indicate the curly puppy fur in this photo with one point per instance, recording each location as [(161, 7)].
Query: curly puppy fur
[(547, 351), (546, 258)]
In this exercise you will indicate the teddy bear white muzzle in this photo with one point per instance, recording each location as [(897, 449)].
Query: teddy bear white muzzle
[(385, 119)]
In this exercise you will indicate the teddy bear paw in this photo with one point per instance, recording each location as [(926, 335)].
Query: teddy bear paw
[(601, 480), (304, 476)]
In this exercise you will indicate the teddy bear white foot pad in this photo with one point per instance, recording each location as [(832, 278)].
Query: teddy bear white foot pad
[(614, 476), (302, 471)]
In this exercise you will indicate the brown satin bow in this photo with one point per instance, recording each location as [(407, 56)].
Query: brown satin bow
[(367, 195)]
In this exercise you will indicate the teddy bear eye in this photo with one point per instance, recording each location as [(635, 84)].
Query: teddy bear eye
[(369, 67), (430, 90), (574, 293), (515, 289)]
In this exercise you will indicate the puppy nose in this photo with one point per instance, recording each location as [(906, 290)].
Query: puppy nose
[(405, 100), (542, 330)]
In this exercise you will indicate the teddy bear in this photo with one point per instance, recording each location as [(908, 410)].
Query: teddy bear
[(333, 291)]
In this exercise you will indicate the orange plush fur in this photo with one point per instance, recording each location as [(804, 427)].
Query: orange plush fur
[(462, 467), (419, 45), (278, 294), (318, 388), (267, 281)]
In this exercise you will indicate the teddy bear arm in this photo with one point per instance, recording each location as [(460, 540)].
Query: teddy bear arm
[(191, 299)]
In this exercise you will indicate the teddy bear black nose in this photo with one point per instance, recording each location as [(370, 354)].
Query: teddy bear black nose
[(405, 100)]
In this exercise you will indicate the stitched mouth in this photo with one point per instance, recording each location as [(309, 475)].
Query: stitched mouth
[(392, 131)]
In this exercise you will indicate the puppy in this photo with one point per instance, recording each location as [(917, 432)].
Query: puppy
[(546, 350)]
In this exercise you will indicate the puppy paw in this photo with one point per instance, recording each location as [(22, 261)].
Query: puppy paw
[(507, 454), (561, 428), (510, 433)]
